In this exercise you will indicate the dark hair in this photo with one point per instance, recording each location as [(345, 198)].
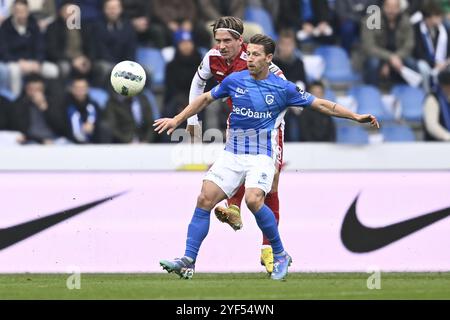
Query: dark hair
[(316, 83), (265, 41), (229, 22), (24, 2), (78, 77), (431, 8), (33, 77), (287, 33)]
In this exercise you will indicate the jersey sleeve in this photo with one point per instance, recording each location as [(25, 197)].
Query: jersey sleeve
[(204, 69), (298, 97), (276, 71), (222, 90)]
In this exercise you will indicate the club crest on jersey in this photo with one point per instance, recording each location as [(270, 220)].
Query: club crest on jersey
[(270, 99)]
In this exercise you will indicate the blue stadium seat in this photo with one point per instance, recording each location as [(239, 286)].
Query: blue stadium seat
[(352, 135), (5, 93), (262, 17), (369, 101), (338, 66), (153, 60), (397, 133), (99, 95), (329, 94), (411, 99)]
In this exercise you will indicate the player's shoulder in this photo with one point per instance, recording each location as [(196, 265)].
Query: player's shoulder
[(213, 52)]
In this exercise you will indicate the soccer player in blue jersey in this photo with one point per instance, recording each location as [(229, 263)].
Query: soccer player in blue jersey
[(260, 100)]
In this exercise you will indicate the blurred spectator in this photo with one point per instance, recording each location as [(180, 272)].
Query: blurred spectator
[(287, 59), (115, 41), (7, 136), (214, 9), (149, 31), (181, 15), (272, 7), (5, 109), (437, 111), (389, 47), (44, 11), (5, 6), (349, 14), (445, 4), (130, 120), (179, 73), (34, 116), (91, 10), (82, 114), (71, 49), (310, 19), (432, 47), (312, 126), (22, 47)]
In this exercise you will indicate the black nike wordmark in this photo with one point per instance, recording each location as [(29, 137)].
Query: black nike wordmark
[(17, 233), (358, 238)]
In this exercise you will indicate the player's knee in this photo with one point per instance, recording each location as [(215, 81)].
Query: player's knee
[(254, 201), (205, 202)]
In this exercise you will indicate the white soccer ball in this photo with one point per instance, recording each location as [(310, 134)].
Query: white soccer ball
[(128, 78)]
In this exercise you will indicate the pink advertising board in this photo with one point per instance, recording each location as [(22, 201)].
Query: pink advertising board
[(133, 231)]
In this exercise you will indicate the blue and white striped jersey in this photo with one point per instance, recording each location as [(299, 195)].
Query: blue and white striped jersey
[(258, 109)]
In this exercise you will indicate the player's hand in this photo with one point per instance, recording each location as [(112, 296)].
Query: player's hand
[(195, 131), (365, 118), (164, 124)]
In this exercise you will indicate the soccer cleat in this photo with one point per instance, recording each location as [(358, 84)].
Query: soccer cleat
[(230, 215), (267, 259), (280, 266), (181, 266)]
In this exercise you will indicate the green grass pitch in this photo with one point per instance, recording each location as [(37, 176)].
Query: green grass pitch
[(232, 286)]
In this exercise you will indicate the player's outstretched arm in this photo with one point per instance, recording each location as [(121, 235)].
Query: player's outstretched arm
[(170, 124), (197, 87), (336, 110)]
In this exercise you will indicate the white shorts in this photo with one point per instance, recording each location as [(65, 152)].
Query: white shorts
[(231, 170)]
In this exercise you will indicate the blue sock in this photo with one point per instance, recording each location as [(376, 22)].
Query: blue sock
[(197, 231), (268, 225)]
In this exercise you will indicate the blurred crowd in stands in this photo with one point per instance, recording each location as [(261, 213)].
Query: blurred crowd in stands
[(389, 58)]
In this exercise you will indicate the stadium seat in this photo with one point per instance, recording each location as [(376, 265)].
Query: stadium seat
[(411, 100), (397, 133), (7, 94), (262, 17), (329, 94), (153, 60), (353, 134), (99, 95), (369, 101), (338, 68)]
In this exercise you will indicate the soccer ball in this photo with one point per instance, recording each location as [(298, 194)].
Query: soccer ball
[(128, 78)]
